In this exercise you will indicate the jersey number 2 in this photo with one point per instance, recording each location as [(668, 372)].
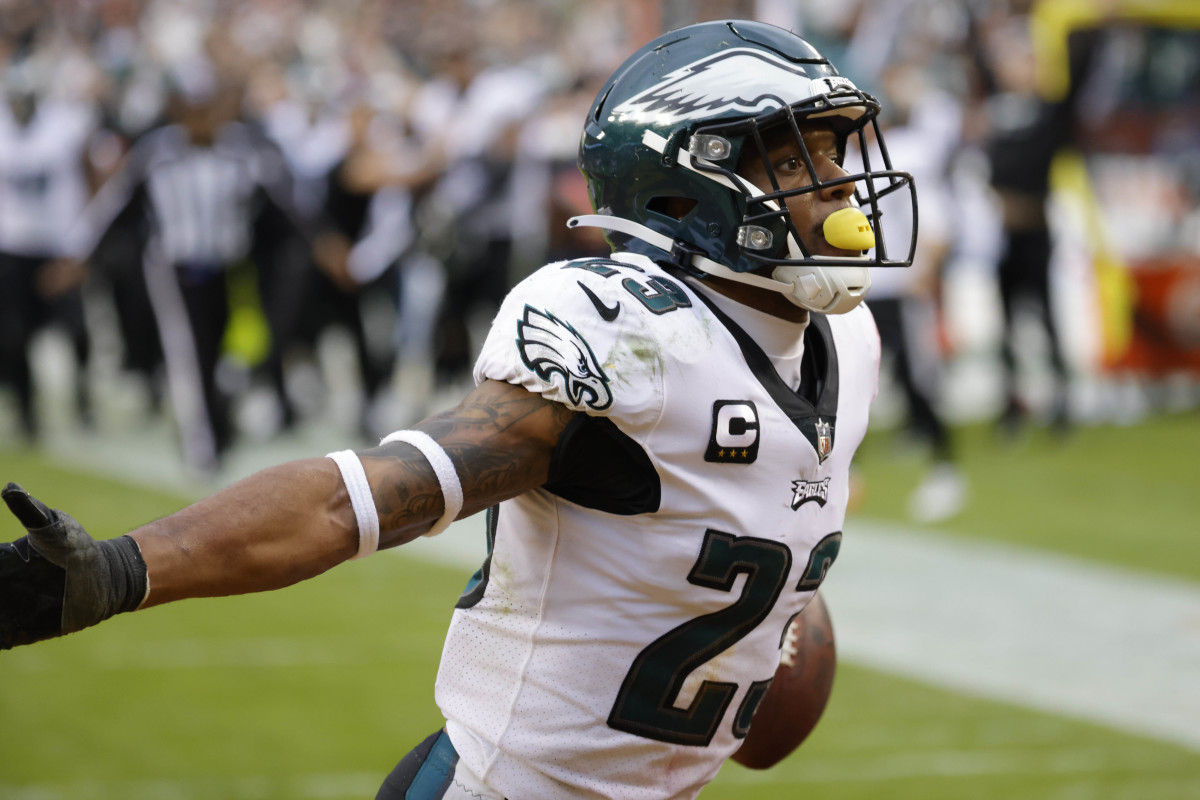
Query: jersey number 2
[(645, 705)]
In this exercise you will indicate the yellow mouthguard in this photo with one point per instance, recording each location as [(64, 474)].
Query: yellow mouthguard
[(849, 229)]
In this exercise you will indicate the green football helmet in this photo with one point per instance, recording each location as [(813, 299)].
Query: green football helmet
[(675, 120)]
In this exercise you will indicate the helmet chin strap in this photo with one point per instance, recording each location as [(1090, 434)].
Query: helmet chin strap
[(803, 284), (667, 245)]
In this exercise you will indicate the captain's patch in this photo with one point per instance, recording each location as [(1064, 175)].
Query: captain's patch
[(734, 436)]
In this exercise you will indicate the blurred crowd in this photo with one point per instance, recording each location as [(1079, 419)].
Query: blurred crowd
[(224, 183), (234, 179)]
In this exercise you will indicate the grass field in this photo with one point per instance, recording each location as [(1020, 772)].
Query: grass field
[(1126, 495), (315, 691)]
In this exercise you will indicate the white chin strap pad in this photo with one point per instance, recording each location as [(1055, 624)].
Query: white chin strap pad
[(828, 291)]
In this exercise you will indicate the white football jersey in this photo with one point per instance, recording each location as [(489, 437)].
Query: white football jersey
[(629, 618), (43, 187)]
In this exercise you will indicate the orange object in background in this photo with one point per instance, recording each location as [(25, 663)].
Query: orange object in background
[(1165, 332)]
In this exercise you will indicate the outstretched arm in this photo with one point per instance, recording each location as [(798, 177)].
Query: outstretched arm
[(294, 521)]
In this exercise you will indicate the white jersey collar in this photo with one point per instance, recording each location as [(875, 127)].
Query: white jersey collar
[(781, 339)]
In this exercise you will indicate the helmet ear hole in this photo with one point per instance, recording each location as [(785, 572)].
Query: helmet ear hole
[(674, 207)]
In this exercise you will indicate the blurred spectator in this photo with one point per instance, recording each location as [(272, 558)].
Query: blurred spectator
[(43, 187), (367, 227), (1025, 132), (545, 177), (475, 112), (923, 126), (204, 185), (313, 136)]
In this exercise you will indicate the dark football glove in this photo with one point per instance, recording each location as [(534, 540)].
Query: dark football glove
[(58, 579)]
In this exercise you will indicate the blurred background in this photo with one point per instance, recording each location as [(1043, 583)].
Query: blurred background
[(233, 233), (249, 217)]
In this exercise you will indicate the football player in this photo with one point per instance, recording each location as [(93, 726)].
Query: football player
[(661, 439)]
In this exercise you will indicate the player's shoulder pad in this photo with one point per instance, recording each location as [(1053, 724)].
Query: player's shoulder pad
[(577, 330)]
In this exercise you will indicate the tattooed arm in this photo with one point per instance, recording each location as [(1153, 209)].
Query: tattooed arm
[(294, 521)]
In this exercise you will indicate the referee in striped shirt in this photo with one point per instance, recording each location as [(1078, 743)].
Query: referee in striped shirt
[(202, 187)]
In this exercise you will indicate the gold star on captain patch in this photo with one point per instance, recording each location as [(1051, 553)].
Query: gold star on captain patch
[(745, 453), (720, 453)]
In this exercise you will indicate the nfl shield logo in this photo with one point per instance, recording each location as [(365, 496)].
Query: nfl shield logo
[(824, 440)]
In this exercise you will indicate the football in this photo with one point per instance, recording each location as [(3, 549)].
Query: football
[(799, 692)]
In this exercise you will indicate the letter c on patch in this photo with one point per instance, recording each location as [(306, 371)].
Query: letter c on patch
[(734, 437), (737, 425)]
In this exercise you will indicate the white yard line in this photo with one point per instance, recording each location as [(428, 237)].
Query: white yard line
[(1024, 626), (889, 767)]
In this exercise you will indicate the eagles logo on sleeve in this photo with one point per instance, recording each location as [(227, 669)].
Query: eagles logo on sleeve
[(548, 346)]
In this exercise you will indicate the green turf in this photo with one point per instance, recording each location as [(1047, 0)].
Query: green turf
[(109, 507), (887, 737), (330, 677), (1129, 496), (316, 690)]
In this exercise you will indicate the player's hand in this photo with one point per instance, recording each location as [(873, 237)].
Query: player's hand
[(58, 579)]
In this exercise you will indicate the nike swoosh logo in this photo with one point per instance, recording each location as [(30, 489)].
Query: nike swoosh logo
[(607, 314)]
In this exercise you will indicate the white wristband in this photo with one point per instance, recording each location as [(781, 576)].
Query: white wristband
[(443, 467), (361, 500)]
